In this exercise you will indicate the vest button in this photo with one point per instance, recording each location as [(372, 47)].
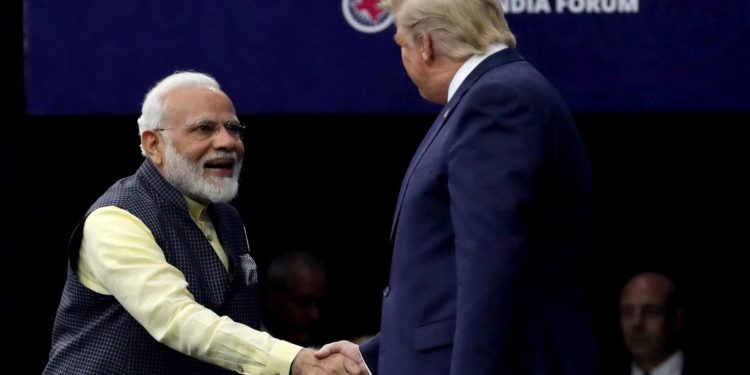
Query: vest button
[(386, 291)]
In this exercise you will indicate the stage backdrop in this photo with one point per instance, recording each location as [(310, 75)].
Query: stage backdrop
[(334, 56)]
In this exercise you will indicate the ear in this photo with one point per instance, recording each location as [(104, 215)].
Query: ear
[(427, 51), (153, 145)]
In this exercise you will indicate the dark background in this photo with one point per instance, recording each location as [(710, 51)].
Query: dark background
[(670, 188)]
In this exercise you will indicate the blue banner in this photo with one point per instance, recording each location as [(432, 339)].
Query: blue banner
[(338, 56)]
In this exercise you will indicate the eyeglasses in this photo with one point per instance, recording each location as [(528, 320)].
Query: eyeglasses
[(206, 129)]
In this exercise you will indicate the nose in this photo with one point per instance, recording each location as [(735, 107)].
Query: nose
[(639, 319), (223, 140)]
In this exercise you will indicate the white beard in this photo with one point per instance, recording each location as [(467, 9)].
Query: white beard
[(188, 178)]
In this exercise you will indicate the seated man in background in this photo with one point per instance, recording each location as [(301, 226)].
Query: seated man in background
[(652, 319), (294, 289)]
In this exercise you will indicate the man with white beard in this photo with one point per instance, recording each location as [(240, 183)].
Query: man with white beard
[(160, 279)]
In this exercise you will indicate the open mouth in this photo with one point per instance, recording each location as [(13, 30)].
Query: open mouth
[(224, 165)]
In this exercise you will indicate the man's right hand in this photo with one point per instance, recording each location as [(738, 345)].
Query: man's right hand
[(305, 363), (346, 348)]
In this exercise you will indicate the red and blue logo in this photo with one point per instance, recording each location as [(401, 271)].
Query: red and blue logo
[(366, 16)]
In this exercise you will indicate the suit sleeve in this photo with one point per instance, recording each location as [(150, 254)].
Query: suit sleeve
[(491, 172), (370, 350)]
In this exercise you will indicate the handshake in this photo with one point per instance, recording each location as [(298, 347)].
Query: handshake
[(337, 358)]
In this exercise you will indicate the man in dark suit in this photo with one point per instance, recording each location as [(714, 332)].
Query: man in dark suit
[(492, 221)]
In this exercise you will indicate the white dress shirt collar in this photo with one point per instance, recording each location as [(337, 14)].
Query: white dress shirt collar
[(469, 66), (672, 366)]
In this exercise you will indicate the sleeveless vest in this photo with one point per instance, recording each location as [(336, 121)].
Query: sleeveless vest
[(94, 334)]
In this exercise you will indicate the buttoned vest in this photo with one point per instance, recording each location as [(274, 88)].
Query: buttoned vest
[(94, 334)]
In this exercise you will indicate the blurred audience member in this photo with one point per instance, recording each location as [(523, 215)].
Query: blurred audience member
[(296, 284), (652, 320)]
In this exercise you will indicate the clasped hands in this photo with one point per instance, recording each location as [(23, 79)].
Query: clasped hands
[(337, 358)]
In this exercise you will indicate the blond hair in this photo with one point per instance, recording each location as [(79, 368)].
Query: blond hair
[(458, 28)]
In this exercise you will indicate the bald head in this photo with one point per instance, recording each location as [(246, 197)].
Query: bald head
[(647, 287), (649, 318)]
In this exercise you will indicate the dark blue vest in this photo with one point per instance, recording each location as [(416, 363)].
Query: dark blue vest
[(93, 334)]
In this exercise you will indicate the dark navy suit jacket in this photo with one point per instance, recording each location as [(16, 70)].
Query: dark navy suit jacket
[(491, 227)]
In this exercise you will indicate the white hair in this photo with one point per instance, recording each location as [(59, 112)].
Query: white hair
[(153, 109)]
